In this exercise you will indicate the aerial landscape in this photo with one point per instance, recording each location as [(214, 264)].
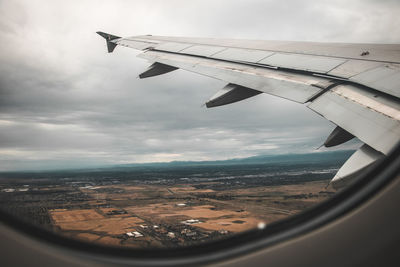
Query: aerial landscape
[(170, 204)]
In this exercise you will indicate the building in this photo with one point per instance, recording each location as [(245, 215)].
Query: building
[(134, 234), (171, 235), (191, 221)]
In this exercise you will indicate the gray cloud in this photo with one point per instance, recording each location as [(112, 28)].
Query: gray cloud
[(65, 102)]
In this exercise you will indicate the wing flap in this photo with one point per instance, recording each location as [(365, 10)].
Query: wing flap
[(373, 118)]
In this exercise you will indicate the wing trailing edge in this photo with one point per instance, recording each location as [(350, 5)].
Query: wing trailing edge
[(371, 116)]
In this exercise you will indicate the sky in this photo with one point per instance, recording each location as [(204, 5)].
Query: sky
[(66, 103)]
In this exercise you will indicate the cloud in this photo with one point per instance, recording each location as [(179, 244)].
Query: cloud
[(65, 102)]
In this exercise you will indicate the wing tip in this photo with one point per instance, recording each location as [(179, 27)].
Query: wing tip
[(109, 37)]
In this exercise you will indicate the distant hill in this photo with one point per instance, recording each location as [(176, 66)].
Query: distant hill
[(330, 156), (252, 164)]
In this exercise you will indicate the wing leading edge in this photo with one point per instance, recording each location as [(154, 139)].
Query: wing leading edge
[(355, 86)]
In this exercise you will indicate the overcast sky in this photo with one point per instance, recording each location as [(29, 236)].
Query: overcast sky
[(65, 102)]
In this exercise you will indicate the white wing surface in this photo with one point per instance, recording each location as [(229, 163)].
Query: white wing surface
[(355, 86)]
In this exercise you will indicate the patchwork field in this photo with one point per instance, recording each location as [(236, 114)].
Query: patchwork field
[(169, 216), (111, 226), (65, 216)]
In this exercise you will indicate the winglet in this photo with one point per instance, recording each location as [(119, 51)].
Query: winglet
[(109, 37)]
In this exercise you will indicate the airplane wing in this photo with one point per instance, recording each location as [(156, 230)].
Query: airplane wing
[(355, 86)]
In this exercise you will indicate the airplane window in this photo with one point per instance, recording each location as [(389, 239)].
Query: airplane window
[(105, 148)]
